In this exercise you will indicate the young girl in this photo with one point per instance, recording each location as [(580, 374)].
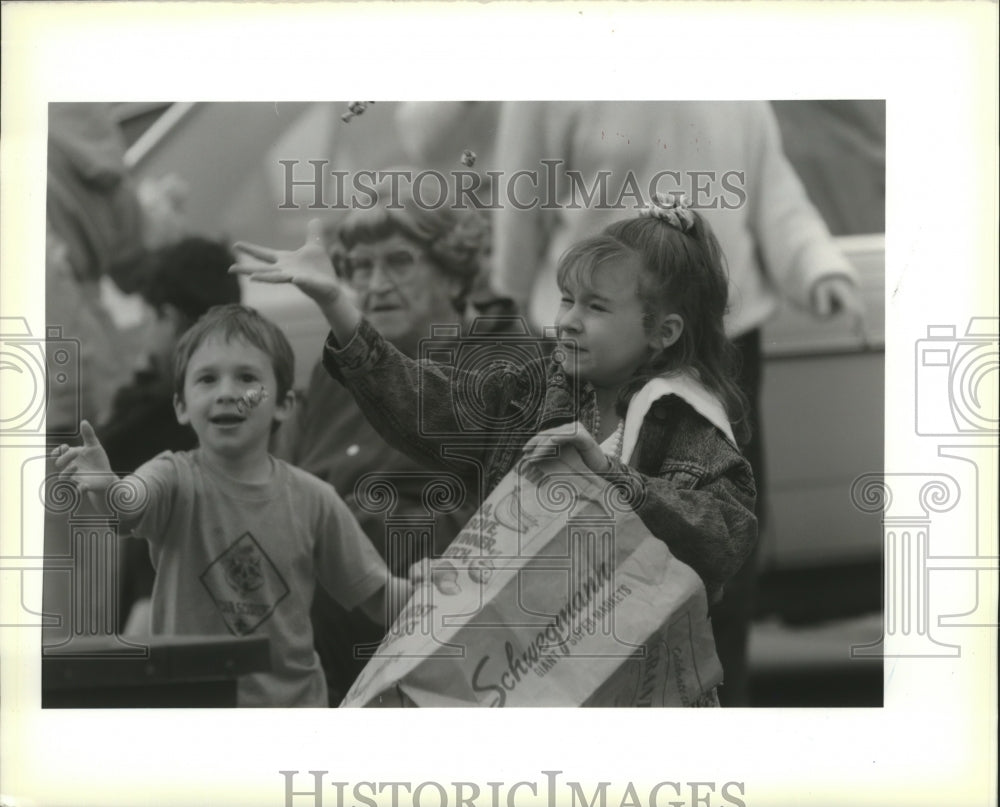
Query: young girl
[(641, 383)]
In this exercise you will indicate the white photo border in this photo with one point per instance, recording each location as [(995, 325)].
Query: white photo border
[(934, 742)]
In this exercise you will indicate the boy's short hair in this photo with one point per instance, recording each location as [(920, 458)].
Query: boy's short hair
[(192, 275), (238, 322)]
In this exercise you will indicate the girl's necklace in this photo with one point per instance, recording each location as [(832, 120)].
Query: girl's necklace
[(619, 439), (619, 432)]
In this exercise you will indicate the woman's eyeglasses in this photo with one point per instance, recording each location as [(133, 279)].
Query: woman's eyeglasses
[(396, 265)]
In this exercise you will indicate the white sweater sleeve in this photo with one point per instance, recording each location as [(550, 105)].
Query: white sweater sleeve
[(518, 240), (795, 245)]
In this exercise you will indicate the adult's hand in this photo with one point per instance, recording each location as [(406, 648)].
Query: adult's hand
[(837, 294)]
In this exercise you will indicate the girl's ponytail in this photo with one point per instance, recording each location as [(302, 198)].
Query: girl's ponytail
[(685, 273)]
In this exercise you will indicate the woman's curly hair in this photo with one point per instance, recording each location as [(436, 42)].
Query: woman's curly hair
[(454, 238)]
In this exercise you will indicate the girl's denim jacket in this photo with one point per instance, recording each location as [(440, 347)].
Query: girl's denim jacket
[(465, 408)]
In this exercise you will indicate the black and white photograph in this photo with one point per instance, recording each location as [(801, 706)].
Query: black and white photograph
[(617, 390), (471, 243)]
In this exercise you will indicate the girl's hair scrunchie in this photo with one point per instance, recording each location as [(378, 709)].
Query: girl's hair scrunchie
[(674, 210)]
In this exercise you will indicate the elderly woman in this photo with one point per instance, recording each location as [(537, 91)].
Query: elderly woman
[(412, 267)]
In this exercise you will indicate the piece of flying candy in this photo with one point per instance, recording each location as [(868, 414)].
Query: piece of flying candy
[(468, 158), (354, 109)]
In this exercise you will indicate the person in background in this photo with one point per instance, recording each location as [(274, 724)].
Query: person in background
[(178, 284), (94, 221), (411, 268), (838, 150), (727, 159), (99, 222)]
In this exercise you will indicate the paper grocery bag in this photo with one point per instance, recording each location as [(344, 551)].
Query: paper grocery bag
[(554, 594)]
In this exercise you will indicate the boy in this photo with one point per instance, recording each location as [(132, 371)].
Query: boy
[(178, 283), (239, 538)]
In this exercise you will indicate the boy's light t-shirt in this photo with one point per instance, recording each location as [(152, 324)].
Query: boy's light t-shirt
[(238, 558)]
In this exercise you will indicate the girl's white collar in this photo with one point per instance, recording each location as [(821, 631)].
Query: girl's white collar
[(683, 385)]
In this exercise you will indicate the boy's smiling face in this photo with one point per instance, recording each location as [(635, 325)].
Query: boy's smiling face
[(219, 374)]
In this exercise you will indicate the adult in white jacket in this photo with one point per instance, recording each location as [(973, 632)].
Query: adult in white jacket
[(725, 156)]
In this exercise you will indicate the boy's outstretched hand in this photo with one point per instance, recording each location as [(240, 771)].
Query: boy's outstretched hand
[(86, 465), (307, 267)]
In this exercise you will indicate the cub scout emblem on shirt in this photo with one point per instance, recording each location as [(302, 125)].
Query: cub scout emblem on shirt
[(243, 569), (245, 585)]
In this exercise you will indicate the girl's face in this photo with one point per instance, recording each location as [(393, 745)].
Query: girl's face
[(600, 325)]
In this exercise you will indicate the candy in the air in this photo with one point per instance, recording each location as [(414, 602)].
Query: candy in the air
[(468, 158), (355, 108)]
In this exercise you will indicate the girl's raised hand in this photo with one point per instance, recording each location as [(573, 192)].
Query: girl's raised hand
[(573, 434), (86, 465), (308, 267)]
